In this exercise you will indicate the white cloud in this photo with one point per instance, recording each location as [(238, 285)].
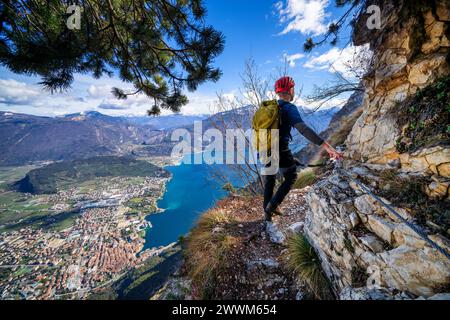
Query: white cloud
[(96, 91), (229, 96), (291, 59), (15, 92), (334, 102), (198, 104), (306, 16), (348, 61), (325, 60), (86, 94)]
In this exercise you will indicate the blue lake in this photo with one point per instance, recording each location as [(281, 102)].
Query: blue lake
[(193, 189)]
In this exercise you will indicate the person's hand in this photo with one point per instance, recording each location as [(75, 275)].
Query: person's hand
[(333, 153)]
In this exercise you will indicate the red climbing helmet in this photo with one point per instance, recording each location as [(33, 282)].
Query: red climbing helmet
[(284, 84)]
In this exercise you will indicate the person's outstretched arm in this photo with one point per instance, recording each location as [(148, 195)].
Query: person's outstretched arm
[(309, 134)]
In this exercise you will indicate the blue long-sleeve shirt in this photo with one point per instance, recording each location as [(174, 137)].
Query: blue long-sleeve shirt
[(289, 118)]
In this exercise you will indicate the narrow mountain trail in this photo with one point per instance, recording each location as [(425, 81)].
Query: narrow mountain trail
[(254, 267), (257, 269)]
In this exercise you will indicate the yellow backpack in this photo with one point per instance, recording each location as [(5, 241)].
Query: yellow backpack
[(265, 118)]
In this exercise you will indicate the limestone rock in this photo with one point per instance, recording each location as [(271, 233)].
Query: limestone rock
[(429, 160), (367, 133), (438, 189), (443, 11), (296, 227), (350, 293), (381, 227), (444, 169), (408, 264), (423, 72), (403, 235), (440, 241), (268, 263), (275, 235), (372, 242), (299, 296), (360, 171), (366, 205), (437, 155), (347, 237), (417, 271), (354, 219), (440, 296)]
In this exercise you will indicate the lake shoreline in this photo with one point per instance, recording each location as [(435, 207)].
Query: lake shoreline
[(192, 190), (167, 162)]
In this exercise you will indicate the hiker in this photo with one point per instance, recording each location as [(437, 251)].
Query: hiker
[(289, 117)]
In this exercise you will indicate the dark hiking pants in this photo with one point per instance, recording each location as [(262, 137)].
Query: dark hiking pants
[(288, 169)]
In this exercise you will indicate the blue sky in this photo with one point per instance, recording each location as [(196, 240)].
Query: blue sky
[(266, 31)]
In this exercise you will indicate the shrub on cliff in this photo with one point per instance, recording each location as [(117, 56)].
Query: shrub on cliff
[(304, 262), (305, 178), (424, 117)]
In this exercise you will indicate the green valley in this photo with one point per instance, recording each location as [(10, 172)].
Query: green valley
[(60, 175)]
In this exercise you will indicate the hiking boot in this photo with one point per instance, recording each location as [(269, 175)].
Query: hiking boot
[(277, 212), (267, 216), (270, 211)]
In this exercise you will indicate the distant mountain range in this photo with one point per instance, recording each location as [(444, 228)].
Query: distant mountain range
[(166, 122), (242, 118), (317, 120), (27, 138)]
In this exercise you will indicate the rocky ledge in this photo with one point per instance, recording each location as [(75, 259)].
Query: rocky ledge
[(363, 245)]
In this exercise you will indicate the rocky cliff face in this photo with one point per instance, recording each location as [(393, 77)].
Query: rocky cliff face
[(365, 250), (406, 61)]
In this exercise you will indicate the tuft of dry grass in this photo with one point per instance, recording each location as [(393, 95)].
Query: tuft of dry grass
[(208, 246), (305, 178), (303, 261)]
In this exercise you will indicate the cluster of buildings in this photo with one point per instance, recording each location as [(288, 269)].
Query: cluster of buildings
[(103, 243)]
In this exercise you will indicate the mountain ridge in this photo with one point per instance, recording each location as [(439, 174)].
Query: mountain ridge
[(30, 138)]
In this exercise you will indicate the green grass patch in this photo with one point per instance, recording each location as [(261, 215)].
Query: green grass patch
[(305, 178), (64, 223), (21, 271), (15, 206), (61, 175), (136, 200), (18, 210), (9, 175)]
